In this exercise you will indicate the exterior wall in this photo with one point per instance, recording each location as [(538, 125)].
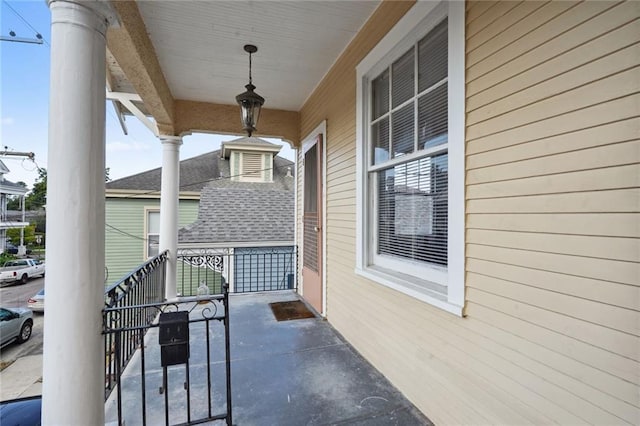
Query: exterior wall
[(552, 282), (124, 246)]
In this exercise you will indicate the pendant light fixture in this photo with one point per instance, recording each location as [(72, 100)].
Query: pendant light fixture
[(250, 102)]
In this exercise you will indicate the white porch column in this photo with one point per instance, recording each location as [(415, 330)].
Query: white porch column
[(73, 381), (169, 194)]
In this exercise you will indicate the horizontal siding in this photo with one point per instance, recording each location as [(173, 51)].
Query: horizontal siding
[(124, 239), (619, 131), (553, 199), (600, 36), (553, 224), (622, 295)]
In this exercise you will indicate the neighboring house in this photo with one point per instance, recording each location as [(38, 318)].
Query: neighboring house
[(249, 214), (7, 189), (237, 202)]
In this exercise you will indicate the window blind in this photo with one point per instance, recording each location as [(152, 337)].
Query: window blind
[(409, 114)]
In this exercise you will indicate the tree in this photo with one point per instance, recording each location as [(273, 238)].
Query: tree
[(29, 235), (38, 195)]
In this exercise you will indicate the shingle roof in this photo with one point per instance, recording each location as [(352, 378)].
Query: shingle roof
[(195, 173), (242, 215), (229, 211), (198, 172)]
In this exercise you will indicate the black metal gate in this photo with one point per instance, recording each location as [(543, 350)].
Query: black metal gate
[(179, 368)]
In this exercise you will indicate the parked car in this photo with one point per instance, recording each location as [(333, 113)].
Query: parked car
[(12, 249), (21, 412), (21, 270), (36, 303), (15, 324)]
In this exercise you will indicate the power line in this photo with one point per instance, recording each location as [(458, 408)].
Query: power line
[(125, 233), (38, 35), (183, 186)]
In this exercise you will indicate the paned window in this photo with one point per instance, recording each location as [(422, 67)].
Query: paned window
[(409, 141), (153, 233), (410, 157)]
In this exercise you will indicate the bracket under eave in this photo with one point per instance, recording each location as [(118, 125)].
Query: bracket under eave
[(126, 100)]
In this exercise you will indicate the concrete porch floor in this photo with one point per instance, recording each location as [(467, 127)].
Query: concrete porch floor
[(298, 372)]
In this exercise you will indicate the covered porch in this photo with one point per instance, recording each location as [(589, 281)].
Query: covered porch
[(123, 44), (289, 372)]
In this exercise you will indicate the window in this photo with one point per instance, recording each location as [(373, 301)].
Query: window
[(153, 233), (411, 157)]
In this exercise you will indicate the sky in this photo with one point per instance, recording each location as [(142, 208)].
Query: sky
[(24, 106)]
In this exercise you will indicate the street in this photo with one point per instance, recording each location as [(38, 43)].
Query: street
[(16, 295)]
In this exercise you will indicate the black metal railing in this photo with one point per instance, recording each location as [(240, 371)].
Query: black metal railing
[(134, 311), (142, 286), (243, 269)]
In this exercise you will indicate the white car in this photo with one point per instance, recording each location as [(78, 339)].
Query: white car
[(15, 324), (36, 303)]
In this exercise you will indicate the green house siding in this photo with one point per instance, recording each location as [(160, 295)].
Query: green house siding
[(125, 233)]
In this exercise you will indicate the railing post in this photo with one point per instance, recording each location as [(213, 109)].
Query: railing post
[(227, 344)]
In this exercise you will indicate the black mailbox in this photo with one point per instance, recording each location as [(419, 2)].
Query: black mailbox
[(174, 338)]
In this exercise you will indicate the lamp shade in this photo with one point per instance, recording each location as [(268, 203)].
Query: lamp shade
[(250, 104)]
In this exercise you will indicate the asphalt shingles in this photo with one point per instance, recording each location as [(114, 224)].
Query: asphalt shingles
[(230, 210)]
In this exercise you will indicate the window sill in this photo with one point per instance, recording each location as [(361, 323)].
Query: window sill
[(425, 291)]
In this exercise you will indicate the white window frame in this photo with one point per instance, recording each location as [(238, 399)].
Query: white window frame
[(148, 210), (441, 287)]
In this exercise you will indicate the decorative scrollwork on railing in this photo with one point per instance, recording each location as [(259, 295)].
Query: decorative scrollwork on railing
[(203, 251), (210, 309), (213, 262), (122, 318)]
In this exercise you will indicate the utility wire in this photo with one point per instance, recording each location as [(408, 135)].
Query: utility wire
[(187, 185), (137, 237), (26, 22), (120, 231), (125, 233)]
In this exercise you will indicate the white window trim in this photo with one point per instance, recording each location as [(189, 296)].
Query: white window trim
[(403, 35), (145, 245)]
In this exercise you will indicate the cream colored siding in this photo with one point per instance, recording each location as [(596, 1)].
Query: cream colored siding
[(552, 227), (124, 237), (553, 198)]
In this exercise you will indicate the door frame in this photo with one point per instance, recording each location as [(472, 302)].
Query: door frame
[(307, 142)]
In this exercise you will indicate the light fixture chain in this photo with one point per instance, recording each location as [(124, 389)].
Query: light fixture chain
[(250, 80)]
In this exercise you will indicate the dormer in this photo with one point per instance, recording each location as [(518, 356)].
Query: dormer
[(250, 159)]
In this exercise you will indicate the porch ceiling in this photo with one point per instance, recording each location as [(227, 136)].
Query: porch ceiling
[(198, 48)]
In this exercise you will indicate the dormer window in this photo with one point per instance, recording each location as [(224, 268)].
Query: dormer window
[(250, 159)]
